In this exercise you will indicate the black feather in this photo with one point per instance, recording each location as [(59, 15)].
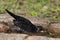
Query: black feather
[(23, 23)]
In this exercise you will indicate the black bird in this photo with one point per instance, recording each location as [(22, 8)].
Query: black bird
[(23, 24)]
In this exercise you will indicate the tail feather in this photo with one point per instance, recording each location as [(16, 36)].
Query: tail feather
[(10, 13)]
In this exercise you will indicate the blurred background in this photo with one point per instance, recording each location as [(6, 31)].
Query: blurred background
[(39, 8)]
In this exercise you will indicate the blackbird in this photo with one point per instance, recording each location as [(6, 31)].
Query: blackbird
[(23, 24)]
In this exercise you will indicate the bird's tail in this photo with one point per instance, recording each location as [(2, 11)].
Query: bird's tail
[(10, 13)]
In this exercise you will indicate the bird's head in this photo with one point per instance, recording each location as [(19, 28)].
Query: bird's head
[(40, 29)]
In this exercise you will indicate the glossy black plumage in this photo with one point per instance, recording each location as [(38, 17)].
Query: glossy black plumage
[(24, 24)]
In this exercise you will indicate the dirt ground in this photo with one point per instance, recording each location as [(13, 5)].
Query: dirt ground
[(16, 36)]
